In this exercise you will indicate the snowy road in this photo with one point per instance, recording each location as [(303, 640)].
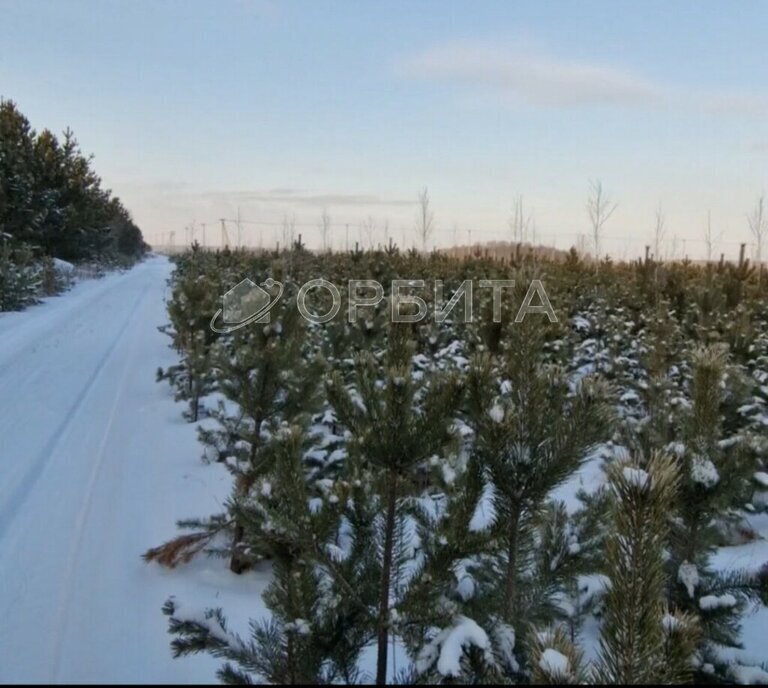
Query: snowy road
[(95, 466)]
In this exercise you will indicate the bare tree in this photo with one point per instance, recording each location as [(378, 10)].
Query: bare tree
[(581, 245), (659, 232), (325, 227), (289, 230), (709, 239), (758, 226), (425, 219), (674, 247), (368, 231), (600, 208), (518, 222)]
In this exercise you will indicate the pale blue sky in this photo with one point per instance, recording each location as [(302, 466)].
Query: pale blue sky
[(193, 109)]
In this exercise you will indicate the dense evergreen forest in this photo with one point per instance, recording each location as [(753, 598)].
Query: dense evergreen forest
[(53, 206)]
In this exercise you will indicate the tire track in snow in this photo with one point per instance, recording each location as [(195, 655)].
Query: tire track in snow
[(60, 621), (13, 502), (103, 615)]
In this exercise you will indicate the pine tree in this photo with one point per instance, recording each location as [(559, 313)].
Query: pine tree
[(17, 192), (498, 557), (659, 386), (270, 377), (267, 376), (189, 311), (18, 285), (529, 437), (396, 425), (52, 205), (640, 642), (52, 200), (314, 634), (715, 482)]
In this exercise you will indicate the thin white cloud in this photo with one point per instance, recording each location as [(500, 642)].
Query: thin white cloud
[(287, 196), (530, 76)]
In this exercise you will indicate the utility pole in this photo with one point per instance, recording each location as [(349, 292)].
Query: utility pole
[(346, 245), (203, 233)]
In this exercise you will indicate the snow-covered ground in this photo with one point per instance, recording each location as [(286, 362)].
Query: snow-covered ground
[(96, 465), (750, 556)]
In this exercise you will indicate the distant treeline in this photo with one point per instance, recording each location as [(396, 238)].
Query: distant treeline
[(53, 202)]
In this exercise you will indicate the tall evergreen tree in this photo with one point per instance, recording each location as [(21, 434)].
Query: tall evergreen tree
[(18, 217), (52, 200)]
